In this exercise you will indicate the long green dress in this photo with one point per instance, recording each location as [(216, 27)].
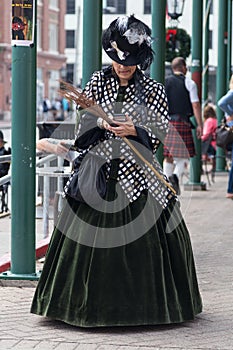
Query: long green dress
[(148, 281)]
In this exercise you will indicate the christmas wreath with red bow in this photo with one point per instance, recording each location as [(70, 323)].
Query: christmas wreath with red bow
[(178, 44)]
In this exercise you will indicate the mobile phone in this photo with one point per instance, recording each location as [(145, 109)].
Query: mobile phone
[(119, 117)]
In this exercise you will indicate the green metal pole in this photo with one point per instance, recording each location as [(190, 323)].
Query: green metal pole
[(92, 31), (23, 161), (229, 44), (221, 76), (196, 69), (157, 72), (158, 11), (205, 74)]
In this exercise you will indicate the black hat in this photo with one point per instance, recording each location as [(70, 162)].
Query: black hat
[(127, 41), (2, 137)]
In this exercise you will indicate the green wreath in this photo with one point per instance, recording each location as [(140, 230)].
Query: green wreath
[(178, 44)]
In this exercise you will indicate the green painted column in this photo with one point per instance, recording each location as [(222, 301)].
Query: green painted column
[(158, 12), (157, 70), (23, 161), (92, 33), (221, 76), (229, 43), (205, 74), (196, 69)]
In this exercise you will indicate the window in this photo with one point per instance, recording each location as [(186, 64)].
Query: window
[(210, 39), (211, 8), (70, 7), (147, 7), (114, 6), (70, 73), (70, 35), (53, 37)]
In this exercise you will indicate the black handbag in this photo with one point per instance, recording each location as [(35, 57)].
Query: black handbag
[(87, 182), (224, 135)]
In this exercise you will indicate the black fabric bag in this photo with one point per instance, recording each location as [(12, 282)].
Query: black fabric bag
[(87, 182), (224, 135)]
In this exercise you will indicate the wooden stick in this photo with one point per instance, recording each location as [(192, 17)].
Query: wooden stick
[(159, 176)]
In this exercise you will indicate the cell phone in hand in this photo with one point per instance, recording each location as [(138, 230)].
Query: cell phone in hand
[(119, 117)]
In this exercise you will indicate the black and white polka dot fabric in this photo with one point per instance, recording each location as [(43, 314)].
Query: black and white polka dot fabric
[(146, 103)]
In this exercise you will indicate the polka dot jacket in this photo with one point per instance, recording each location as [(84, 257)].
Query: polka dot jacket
[(145, 102)]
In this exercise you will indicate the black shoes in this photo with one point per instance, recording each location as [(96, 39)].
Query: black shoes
[(175, 183)]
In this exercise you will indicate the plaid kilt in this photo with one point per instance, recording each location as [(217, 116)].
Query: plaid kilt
[(179, 140)]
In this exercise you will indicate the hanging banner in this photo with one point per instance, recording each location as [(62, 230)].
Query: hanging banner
[(23, 17)]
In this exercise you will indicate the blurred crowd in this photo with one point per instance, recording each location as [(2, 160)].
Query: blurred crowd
[(58, 109)]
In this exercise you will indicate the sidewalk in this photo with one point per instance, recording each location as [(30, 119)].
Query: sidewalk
[(209, 217)]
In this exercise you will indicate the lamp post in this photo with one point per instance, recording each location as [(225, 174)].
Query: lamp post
[(175, 8)]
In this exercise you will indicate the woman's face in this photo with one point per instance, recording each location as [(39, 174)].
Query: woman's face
[(124, 73)]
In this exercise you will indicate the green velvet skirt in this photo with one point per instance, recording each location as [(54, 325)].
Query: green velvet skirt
[(130, 267)]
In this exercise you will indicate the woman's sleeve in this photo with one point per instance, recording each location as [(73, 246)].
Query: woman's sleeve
[(88, 133), (153, 131), (226, 103)]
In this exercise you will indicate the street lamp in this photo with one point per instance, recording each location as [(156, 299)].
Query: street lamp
[(175, 8), (177, 39)]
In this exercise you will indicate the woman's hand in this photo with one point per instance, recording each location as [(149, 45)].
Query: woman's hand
[(123, 129), (62, 149)]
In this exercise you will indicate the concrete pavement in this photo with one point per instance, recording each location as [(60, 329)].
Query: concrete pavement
[(209, 217)]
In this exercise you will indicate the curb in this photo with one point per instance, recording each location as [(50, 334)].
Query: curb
[(4, 214), (41, 249)]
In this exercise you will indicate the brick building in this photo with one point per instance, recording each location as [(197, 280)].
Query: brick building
[(5, 58), (51, 60)]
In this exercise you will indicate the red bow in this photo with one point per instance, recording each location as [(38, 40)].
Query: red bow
[(171, 33)]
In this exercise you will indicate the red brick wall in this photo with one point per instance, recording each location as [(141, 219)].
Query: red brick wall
[(45, 60)]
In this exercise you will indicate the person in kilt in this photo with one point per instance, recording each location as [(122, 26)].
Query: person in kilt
[(183, 103)]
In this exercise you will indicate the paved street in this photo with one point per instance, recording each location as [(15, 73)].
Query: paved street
[(209, 216)]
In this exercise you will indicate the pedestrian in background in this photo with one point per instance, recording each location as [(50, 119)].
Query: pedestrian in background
[(209, 135), (65, 107), (226, 101), (226, 105), (4, 167), (46, 108), (183, 102), (129, 260)]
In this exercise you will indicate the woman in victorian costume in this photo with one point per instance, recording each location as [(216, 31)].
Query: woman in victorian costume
[(126, 260)]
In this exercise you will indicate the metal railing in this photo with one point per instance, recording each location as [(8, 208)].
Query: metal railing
[(60, 171), (44, 169)]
